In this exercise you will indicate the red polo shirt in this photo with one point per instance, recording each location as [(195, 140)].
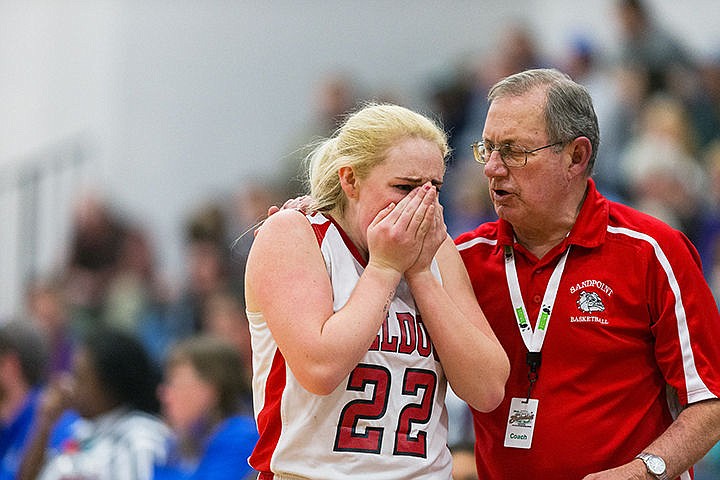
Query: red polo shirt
[(633, 314)]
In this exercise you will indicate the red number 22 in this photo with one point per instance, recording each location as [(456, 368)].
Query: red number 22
[(364, 376)]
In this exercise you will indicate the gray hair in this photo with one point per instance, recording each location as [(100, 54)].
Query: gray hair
[(569, 111)]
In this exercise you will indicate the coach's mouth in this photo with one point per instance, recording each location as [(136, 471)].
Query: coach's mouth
[(499, 193)]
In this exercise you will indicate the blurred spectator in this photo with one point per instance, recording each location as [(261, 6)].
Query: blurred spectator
[(663, 177), (650, 62), (225, 318), (646, 45), (586, 65), (666, 66), (207, 272), (449, 98), (110, 279), (248, 207), (208, 252), (97, 237), (468, 203), (201, 399), (664, 118), (117, 435), (134, 290), (629, 87), (517, 50), (514, 50), (708, 121), (207, 265), (708, 242), (22, 374), (47, 310)]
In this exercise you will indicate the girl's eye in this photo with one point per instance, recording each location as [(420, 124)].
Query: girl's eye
[(405, 188)]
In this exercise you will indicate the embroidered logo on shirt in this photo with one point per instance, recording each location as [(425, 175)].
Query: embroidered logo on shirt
[(591, 297), (590, 302)]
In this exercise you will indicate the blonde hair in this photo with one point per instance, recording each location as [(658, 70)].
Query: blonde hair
[(362, 142)]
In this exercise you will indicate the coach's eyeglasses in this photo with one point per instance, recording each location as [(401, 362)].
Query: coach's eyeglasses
[(512, 156)]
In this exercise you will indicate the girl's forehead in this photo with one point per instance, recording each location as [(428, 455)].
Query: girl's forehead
[(415, 158)]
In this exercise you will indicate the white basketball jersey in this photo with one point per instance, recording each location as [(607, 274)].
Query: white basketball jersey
[(386, 420)]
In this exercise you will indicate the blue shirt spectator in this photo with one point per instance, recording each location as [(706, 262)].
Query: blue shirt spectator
[(224, 457)]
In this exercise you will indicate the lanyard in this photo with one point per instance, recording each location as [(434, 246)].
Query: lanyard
[(533, 339)]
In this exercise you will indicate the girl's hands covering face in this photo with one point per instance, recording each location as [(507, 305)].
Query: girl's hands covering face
[(432, 241), (396, 236)]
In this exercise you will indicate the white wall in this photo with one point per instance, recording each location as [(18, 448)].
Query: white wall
[(175, 100)]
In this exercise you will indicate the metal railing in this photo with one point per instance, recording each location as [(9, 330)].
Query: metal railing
[(36, 201)]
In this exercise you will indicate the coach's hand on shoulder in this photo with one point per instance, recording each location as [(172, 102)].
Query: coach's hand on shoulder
[(298, 203)]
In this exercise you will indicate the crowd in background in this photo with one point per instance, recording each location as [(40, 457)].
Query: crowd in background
[(659, 112)]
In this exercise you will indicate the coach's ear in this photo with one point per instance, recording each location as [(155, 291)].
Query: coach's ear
[(348, 181), (580, 153)]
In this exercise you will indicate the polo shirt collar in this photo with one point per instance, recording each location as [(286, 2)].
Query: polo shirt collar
[(592, 221)]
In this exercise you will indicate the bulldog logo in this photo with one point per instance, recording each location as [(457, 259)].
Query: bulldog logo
[(590, 302)]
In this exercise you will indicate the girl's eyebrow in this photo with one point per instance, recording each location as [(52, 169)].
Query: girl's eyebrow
[(418, 180)]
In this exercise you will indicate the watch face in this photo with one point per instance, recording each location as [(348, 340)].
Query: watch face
[(656, 465)]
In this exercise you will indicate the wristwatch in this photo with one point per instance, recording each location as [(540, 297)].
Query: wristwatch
[(655, 465)]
